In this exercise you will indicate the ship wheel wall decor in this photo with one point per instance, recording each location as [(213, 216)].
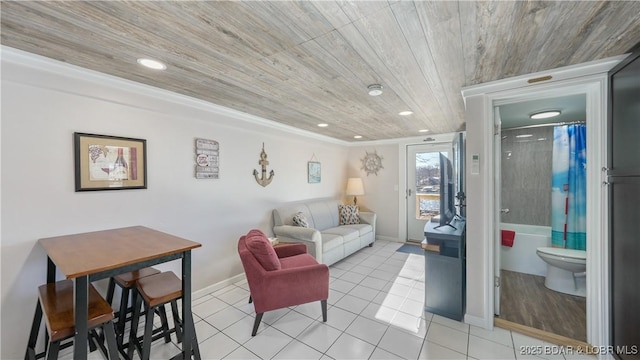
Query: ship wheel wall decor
[(371, 162)]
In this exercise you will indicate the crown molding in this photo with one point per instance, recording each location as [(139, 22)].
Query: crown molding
[(43, 64)]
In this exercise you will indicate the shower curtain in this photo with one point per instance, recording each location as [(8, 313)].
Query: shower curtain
[(568, 187)]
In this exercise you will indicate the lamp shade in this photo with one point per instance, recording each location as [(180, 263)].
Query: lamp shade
[(355, 187)]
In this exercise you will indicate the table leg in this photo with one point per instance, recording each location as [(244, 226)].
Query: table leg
[(187, 316), (81, 307), (51, 271)]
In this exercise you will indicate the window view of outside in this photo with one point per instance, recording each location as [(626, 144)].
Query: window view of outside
[(427, 185)]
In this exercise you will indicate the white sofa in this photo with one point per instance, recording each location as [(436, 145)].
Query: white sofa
[(326, 239)]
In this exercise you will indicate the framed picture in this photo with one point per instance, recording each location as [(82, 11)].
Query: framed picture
[(105, 162), (314, 172)]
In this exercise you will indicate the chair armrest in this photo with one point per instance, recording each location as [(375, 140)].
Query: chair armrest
[(283, 281), (367, 217), (297, 234), (290, 249)]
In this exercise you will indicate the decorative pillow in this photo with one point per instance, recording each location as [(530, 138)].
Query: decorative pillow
[(349, 214), (300, 220), (259, 245)]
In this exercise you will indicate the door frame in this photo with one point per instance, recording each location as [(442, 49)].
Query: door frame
[(589, 79), (428, 147), (436, 140)]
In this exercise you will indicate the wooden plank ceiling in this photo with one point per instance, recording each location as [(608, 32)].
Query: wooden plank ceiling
[(309, 62)]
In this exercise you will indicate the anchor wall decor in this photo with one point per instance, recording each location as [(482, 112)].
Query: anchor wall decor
[(263, 180)]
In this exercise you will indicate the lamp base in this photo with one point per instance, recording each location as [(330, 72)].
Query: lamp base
[(355, 200)]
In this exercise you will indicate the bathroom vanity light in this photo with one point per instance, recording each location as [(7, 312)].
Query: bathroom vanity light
[(545, 114)]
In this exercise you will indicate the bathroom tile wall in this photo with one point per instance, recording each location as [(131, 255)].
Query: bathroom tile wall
[(526, 176)]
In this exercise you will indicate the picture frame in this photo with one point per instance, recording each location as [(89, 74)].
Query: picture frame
[(104, 162), (314, 172)]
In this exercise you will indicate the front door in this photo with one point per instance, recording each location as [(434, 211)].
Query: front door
[(423, 186)]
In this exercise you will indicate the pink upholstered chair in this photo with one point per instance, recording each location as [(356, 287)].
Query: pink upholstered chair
[(282, 276)]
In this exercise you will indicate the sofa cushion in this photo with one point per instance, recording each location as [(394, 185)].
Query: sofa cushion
[(258, 244), (349, 214), (347, 233), (362, 229), (330, 241), (300, 220), (324, 214), (284, 215)]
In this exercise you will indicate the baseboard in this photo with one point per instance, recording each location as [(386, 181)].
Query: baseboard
[(475, 321), (544, 335), (388, 238), (217, 286)]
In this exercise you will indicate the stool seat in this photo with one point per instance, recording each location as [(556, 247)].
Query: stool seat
[(160, 288), (57, 305), (129, 279), (156, 291)]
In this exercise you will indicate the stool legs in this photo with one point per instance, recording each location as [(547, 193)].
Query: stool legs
[(176, 320), (33, 335), (52, 349), (148, 337)]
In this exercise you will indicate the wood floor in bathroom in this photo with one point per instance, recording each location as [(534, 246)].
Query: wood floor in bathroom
[(525, 300)]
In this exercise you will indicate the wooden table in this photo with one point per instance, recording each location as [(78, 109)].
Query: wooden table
[(92, 256)]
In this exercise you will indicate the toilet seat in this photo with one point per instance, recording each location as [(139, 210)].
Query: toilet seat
[(564, 253)]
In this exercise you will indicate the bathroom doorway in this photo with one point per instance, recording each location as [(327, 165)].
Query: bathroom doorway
[(527, 161)]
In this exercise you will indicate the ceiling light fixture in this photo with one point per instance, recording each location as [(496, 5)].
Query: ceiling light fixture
[(152, 64), (423, 130), (375, 89), (523, 136), (323, 125), (357, 136), (405, 113), (545, 114)]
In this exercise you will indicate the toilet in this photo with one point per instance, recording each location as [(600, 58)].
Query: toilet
[(566, 270)]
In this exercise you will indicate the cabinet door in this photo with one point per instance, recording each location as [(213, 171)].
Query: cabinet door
[(625, 266), (624, 205)]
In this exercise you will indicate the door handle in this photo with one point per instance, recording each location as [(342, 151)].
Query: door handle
[(408, 192), (504, 211)]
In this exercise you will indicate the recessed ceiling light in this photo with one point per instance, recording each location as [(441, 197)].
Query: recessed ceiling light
[(545, 114), (357, 136), (323, 125), (152, 64), (523, 136), (423, 130), (405, 113), (375, 89)]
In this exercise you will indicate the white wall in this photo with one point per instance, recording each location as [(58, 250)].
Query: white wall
[(381, 190), (478, 205), (41, 108)]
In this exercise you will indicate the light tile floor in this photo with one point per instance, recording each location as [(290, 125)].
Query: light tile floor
[(375, 312)]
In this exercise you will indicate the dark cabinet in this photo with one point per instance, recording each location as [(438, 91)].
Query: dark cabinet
[(445, 269), (624, 210)]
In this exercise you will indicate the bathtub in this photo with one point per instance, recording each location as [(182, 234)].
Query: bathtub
[(522, 256)]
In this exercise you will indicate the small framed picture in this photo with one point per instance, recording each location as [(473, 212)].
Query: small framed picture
[(314, 172), (104, 162)]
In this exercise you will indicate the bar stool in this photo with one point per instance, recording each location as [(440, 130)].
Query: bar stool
[(55, 302), (126, 282), (156, 291)]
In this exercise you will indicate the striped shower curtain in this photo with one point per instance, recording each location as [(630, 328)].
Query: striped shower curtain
[(568, 187)]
